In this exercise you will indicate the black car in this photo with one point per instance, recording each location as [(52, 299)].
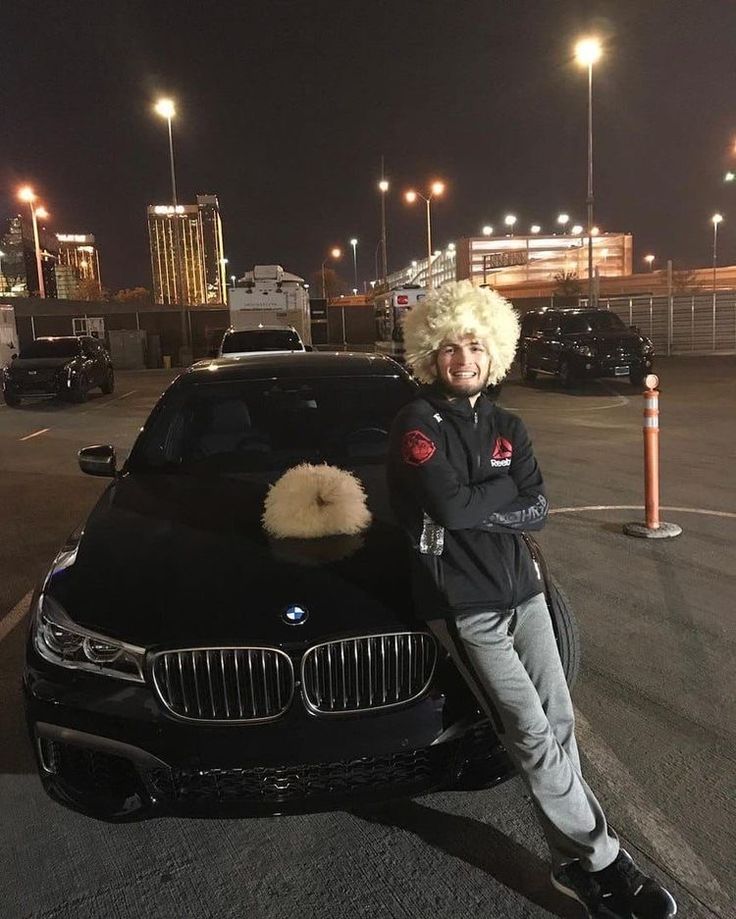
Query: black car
[(67, 366), (582, 344), (181, 659)]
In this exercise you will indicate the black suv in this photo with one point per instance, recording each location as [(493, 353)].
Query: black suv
[(67, 366), (579, 344)]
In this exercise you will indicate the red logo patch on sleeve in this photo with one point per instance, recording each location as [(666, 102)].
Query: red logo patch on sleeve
[(417, 448)]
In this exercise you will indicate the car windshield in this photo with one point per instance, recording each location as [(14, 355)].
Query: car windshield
[(603, 321), (51, 347), (269, 425), (261, 340)]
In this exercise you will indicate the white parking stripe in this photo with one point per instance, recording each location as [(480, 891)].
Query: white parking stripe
[(14, 616), (640, 507), (671, 850), (35, 433)]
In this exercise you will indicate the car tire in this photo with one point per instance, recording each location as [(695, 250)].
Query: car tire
[(566, 631), (109, 385), (527, 374), (80, 391), (567, 378), (637, 379), (11, 399)]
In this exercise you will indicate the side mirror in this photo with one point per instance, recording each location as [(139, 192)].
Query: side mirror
[(98, 460)]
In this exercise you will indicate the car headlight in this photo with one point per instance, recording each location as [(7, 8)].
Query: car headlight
[(646, 345), (61, 641), (583, 350)]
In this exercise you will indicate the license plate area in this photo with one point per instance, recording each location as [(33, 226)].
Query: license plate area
[(621, 371)]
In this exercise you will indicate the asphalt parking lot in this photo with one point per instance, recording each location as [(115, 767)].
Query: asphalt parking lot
[(655, 701)]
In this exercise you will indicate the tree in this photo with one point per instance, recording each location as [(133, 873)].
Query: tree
[(684, 281), (133, 294), (89, 289), (334, 284), (568, 284)]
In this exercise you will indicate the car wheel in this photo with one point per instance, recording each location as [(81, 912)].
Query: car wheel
[(565, 373), (109, 385), (636, 378), (80, 391), (11, 398), (526, 372), (566, 631)]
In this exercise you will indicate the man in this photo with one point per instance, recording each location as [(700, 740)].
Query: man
[(464, 484)]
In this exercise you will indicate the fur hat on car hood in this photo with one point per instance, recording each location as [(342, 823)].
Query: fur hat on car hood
[(460, 308)]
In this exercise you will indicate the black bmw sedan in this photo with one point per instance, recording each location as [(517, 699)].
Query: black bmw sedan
[(182, 659)]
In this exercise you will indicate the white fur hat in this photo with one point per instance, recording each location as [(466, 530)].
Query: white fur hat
[(312, 501), (455, 309)]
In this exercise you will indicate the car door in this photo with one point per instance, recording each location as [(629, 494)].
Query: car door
[(531, 338)]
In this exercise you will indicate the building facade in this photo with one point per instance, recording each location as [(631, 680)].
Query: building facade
[(18, 271), (514, 261), (78, 252), (187, 257)]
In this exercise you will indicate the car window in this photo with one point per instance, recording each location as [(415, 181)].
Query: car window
[(551, 322), (51, 347), (531, 323), (605, 321), (261, 340), (579, 324), (266, 425)]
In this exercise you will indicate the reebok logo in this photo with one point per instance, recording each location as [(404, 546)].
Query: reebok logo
[(501, 453)]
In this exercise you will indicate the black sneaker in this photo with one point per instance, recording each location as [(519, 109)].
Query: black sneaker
[(619, 891)]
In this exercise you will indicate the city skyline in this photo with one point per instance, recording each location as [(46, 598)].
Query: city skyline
[(497, 110)]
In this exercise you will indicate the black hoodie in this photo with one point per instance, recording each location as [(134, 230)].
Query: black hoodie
[(471, 470)]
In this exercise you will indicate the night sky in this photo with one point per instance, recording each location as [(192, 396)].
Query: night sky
[(285, 108)]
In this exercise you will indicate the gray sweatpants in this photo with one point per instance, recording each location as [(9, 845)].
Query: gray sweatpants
[(509, 658)]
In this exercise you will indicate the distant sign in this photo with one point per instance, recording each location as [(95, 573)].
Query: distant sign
[(505, 259)]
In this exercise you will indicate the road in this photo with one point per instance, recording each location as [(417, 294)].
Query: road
[(656, 719)]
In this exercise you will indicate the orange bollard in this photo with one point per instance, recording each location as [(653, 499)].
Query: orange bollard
[(653, 527)]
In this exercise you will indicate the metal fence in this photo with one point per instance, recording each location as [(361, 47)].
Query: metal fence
[(683, 324)]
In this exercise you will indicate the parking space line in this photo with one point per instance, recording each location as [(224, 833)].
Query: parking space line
[(100, 405), (35, 434), (9, 622), (640, 507)]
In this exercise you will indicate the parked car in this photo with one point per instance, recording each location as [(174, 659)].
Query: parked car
[(67, 366), (181, 659), (263, 339), (582, 344)]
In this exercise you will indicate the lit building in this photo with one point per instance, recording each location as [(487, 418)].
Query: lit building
[(516, 261), (79, 252), (187, 258), (18, 272)]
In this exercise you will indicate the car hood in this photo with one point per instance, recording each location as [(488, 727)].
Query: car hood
[(183, 561), (229, 354), (40, 363)]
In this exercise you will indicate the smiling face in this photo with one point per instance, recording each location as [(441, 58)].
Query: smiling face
[(463, 366)]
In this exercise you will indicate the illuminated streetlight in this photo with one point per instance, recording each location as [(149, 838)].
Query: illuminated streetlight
[(576, 230), (595, 231), (588, 51), (383, 188), (563, 220), (334, 253), (510, 220), (729, 176), (436, 188), (488, 230), (649, 259), (535, 228), (715, 220), (354, 244), (27, 194)]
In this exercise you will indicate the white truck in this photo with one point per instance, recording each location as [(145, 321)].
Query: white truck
[(389, 310), (8, 334), (270, 296)]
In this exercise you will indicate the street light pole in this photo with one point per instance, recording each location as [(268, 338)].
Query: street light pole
[(383, 188), (354, 244), (26, 194), (411, 196), (588, 51), (716, 219)]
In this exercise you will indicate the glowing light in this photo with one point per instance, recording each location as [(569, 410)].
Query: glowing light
[(383, 185), (729, 176), (42, 213), (563, 219), (716, 219), (577, 230), (588, 51), (488, 230), (438, 188), (509, 220), (594, 231), (535, 228), (26, 194), (353, 242), (336, 253), (410, 197), (165, 108)]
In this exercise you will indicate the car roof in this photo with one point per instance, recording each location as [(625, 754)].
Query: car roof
[(294, 364), (567, 310), (263, 328), (60, 337)]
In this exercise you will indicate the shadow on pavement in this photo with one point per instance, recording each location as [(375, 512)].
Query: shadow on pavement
[(478, 844)]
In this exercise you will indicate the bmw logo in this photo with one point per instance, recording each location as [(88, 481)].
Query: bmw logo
[(295, 615)]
